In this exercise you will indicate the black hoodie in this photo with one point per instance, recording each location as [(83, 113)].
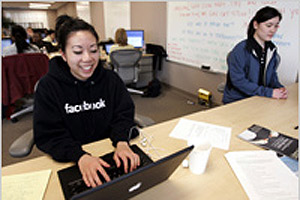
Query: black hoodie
[(69, 112)]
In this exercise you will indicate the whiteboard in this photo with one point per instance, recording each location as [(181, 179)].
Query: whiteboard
[(202, 33)]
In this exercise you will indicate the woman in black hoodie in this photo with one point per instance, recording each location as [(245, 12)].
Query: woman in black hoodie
[(78, 102)]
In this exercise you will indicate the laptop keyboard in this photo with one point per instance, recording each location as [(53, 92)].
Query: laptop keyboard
[(77, 186)]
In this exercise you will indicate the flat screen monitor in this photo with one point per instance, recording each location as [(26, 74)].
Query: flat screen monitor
[(135, 38), (5, 42)]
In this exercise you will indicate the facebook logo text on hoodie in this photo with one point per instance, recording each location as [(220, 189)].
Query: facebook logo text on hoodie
[(84, 106)]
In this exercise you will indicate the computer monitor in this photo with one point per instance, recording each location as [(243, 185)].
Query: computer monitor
[(135, 38), (5, 42)]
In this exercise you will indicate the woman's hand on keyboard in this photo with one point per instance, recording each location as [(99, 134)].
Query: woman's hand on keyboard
[(89, 165), (124, 153)]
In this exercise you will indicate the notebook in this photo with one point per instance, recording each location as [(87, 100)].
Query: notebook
[(127, 185)]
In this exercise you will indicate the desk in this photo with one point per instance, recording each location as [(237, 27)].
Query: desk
[(219, 181)]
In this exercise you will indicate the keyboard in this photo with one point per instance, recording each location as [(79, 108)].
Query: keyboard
[(77, 186)]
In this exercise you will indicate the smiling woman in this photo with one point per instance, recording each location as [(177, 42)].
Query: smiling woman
[(78, 102), (82, 54)]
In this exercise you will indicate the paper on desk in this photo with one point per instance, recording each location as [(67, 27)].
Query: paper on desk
[(27, 186), (219, 136), (263, 175)]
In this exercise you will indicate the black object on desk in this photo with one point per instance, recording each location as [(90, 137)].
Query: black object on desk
[(127, 185)]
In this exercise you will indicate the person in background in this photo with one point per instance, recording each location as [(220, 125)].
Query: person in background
[(30, 33), (120, 42), (19, 36), (78, 102), (252, 64), (50, 37), (37, 40)]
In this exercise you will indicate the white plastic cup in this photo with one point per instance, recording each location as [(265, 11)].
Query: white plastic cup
[(199, 157)]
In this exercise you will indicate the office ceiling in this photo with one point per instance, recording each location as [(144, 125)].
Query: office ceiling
[(25, 5)]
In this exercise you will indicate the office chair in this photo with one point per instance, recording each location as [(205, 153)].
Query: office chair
[(125, 63), (20, 73), (221, 87)]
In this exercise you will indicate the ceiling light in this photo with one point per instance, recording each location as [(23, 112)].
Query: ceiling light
[(39, 5)]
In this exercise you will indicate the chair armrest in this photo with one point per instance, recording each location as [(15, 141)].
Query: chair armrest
[(143, 121), (221, 87), (22, 146)]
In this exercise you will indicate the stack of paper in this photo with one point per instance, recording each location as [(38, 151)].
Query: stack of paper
[(263, 175), (27, 186), (218, 136)]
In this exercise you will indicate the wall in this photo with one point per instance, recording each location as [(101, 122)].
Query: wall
[(27, 18), (152, 17), (51, 17), (97, 18), (83, 10), (190, 79), (68, 8), (116, 15)]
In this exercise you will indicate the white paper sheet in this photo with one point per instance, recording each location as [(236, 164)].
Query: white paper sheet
[(219, 136), (27, 186), (263, 176)]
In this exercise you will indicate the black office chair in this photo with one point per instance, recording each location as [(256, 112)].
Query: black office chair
[(125, 63)]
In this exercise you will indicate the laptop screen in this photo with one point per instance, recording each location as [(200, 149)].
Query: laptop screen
[(107, 48), (5, 42)]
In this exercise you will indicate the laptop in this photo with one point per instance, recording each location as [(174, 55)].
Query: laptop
[(5, 43), (123, 186)]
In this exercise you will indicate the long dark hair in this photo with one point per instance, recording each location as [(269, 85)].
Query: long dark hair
[(67, 25), (19, 35), (59, 21), (262, 15)]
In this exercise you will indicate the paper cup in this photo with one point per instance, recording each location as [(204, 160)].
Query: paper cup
[(199, 156)]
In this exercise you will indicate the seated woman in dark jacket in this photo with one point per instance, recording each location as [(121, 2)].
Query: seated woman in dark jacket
[(252, 63), (78, 102)]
